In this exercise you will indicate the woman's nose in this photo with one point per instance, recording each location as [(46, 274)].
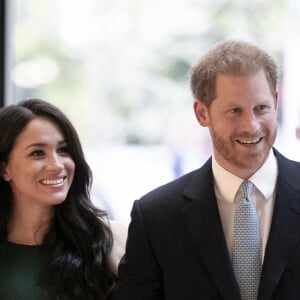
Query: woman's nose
[(54, 164)]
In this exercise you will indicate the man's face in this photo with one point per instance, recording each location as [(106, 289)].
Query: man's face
[(242, 120)]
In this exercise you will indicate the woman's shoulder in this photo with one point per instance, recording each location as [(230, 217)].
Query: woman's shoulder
[(119, 232)]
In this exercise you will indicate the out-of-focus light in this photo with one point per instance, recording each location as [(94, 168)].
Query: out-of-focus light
[(35, 72)]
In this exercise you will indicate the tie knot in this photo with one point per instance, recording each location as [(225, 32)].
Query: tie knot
[(246, 189)]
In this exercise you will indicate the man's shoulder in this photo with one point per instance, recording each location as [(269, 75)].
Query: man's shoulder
[(289, 170), (286, 164)]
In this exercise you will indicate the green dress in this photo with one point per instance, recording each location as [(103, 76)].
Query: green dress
[(20, 268)]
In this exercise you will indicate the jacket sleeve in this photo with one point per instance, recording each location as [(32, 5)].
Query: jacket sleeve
[(140, 276)]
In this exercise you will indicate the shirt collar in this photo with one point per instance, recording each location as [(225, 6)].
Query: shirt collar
[(264, 179)]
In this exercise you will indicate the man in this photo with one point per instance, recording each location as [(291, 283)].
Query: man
[(183, 239)]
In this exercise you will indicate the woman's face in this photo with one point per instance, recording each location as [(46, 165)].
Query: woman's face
[(40, 169)]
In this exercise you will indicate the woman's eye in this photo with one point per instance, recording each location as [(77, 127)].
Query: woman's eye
[(37, 153), (63, 150)]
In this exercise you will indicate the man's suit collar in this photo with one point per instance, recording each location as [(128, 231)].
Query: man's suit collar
[(205, 228), (285, 229)]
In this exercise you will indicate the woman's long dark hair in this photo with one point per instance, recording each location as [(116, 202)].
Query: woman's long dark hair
[(79, 239)]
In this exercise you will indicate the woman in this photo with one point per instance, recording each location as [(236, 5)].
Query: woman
[(54, 244)]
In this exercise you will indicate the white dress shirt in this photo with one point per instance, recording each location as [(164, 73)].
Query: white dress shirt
[(263, 197)]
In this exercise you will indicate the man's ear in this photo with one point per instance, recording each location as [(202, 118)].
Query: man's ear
[(201, 113), (276, 100)]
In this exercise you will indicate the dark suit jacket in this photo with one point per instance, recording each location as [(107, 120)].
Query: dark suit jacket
[(176, 248)]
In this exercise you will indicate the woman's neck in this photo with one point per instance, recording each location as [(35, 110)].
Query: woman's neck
[(29, 227)]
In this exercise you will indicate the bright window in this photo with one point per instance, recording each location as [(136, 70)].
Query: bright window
[(118, 69)]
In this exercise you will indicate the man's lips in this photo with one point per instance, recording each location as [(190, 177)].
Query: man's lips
[(249, 141)]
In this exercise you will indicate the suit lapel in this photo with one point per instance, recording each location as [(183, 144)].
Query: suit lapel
[(285, 228), (205, 228)]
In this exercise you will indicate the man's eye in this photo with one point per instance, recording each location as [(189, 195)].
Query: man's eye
[(235, 110), (262, 107)]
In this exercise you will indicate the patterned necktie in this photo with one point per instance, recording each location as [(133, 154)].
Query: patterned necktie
[(246, 255)]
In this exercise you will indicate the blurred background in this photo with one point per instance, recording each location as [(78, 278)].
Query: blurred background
[(118, 69)]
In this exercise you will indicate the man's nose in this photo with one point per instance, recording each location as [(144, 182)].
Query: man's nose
[(249, 122)]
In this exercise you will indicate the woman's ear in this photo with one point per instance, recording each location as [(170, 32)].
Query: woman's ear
[(201, 113), (3, 172)]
